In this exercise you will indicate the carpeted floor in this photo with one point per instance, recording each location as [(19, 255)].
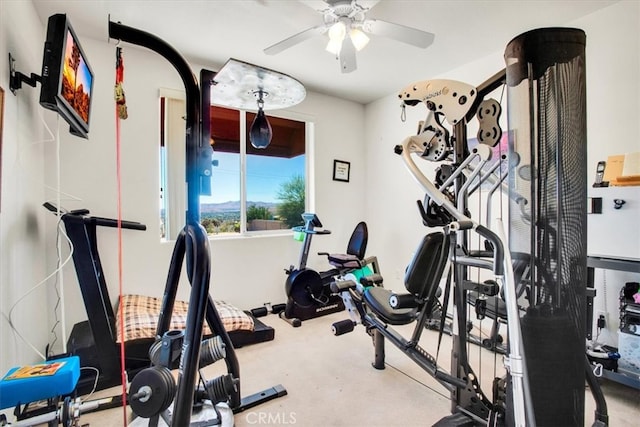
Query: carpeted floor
[(330, 382)]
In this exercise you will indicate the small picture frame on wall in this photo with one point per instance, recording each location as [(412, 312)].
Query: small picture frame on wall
[(341, 170)]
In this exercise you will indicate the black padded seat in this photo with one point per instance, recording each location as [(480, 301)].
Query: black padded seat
[(377, 299), (421, 279), (356, 249), (343, 261)]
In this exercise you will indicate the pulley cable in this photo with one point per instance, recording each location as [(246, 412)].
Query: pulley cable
[(121, 113)]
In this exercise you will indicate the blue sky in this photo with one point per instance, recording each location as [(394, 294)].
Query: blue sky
[(84, 76), (264, 176)]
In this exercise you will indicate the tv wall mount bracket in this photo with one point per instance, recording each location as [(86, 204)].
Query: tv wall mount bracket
[(16, 78)]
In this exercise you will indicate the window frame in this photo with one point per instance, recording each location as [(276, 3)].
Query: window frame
[(171, 201)]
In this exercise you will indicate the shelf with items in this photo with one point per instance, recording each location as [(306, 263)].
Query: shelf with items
[(626, 373), (629, 334), (630, 308)]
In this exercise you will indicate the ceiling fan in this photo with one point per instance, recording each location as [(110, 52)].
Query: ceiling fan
[(347, 27)]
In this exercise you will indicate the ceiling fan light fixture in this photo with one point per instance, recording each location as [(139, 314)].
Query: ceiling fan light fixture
[(345, 23), (359, 38), (337, 32), (334, 46)]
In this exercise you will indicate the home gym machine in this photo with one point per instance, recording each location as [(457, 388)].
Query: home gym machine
[(379, 309), (308, 291), (542, 270), (154, 393)]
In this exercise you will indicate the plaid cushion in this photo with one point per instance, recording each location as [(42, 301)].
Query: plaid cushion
[(141, 315)]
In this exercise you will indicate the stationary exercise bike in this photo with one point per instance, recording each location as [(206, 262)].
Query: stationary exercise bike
[(308, 291)]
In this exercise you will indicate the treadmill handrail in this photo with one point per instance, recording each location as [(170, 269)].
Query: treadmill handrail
[(110, 222)]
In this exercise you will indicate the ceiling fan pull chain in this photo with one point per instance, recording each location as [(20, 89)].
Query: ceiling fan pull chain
[(403, 112)]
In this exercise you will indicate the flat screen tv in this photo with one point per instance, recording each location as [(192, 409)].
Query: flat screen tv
[(67, 78)]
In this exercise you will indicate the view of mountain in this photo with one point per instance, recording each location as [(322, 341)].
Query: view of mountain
[(231, 206)]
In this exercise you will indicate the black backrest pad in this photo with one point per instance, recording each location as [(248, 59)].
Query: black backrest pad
[(426, 267), (358, 242)]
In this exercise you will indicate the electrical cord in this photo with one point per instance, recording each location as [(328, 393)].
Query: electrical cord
[(18, 162), (9, 317), (95, 382), (58, 295), (604, 290), (18, 165)]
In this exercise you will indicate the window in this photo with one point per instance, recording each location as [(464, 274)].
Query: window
[(253, 190)]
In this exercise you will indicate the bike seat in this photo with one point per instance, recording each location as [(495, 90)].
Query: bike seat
[(355, 250), (343, 261)]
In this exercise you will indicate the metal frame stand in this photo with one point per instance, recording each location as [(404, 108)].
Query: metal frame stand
[(193, 242)]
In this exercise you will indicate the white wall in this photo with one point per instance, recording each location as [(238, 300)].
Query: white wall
[(24, 256), (613, 108), (613, 89), (246, 271)]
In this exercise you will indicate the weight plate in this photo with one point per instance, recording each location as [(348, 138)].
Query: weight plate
[(160, 386)]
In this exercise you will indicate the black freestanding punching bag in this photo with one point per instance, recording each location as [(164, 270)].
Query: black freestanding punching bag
[(546, 89)]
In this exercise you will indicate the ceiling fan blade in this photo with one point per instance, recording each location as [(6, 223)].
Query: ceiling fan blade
[(347, 56), (322, 5), (367, 4), (316, 4), (295, 39), (399, 32)]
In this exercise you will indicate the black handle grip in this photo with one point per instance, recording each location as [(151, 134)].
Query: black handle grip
[(302, 229), (403, 301), (53, 208), (465, 225), (371, 280), (498, 249), (110, 222), (342, 285), (105, 222), (342, 327)]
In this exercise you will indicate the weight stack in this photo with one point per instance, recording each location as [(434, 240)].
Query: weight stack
[(546, 93)]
